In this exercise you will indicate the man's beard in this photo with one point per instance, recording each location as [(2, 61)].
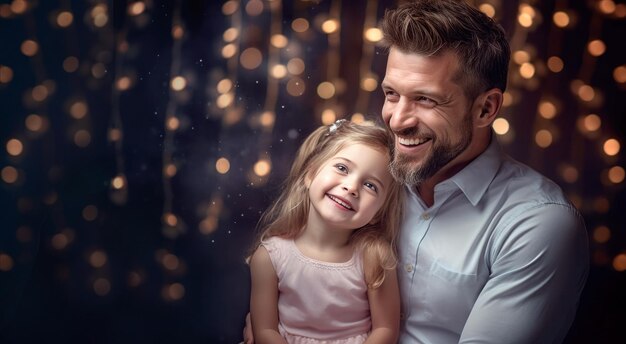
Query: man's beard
[(405, 171)]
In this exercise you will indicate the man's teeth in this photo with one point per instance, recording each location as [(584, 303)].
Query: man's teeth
[(411, 142), (340, 202)]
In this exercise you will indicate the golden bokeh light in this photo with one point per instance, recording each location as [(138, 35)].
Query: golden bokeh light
[(547, 109), (501, 126), (330, 26), (525, 20), (39, 93), (36, 123), (619, 74), (224, 85), (254, 7), (619, 262), (561, 19), (14, 147), (601, 234), (487, 9), (300, 25), (262, 167), (543, 138), (251, 58), (29, 47), (230, 7), (65, 19), (230, 34), (586, 93), (606, 6), (79, 109), (98, 70), (521, 56), (555, 64), (229, 50), (569, 173), (527, 70), (208, 225), (178, 83), (279, 71), (136, 8), (170, 170), (173, 292), (611, 147), (279, 41), (6, 262), (114, 134), (98, 258), (123, 83), (173, 123), (596, 47), (373, 34), (102, 286), (222, 165), (170, 262), (295, 66), (170, 219), (224, 100), (295, 87), (267, 119), (9, 174), (59, 241), (118, 182), (357, 118), (369, 83), (616, 174), (82, 138), (90, 212), (326, 90), (70, 64), (19, 6), (6, 74), (99, 15), (328, 116)]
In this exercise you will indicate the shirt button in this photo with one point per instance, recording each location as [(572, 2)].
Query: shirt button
[(425, 216), (408, 268)]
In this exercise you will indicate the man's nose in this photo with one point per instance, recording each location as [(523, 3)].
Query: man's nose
[(403, 116)]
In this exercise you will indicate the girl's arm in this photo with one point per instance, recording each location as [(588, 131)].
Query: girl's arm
[(385, 309), (264, 299)]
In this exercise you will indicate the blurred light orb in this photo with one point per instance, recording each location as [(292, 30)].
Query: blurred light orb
[(267, 119), (101, 286), (224, 85), (330, 26), (547, 109), (569, 174), (29, 47), (369, 83), (9, 174), (19, 6), (90, 212), (586, 93), (170, 262), (300, 25), (527, 70), (251, 58), (262, 167), (136, 8), (65, 19), (173, 292), (326, 90), (521, 56), (279, 41), (170, 219), (173, 123), (596, 47), (619, 262), (98, 70), (178, 83), (487, 9), (357, 117), (35, 123), (123, 83), (6, 262), (82, 138), (606, 6), (79, 109), (170, 170), (295, 66), (616, 174), (6, 74), (525, 20), (329, 116), (40, 93), (543, 138), (373, 34), (70, 64), (229, 50), (114, 134), (501, 126), (222, 165), (601, 234), (118, 182), (230, 34), (295, 87), (178, 32), (611, 147), (230, 7), (619, 74), (254, 7), (98, 259), (279, 71), (555, 64), (561, 19), (507, 99), (225, 100), (14, 147)]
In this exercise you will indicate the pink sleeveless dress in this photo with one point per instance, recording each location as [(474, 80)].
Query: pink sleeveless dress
[(319, 302)]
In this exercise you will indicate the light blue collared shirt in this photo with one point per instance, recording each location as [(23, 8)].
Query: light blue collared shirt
[(500, 257)]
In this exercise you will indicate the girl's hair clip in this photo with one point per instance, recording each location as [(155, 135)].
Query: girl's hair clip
[(333, 127)]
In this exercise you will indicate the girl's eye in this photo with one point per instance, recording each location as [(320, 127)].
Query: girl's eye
[(371, 186), (341, 168)]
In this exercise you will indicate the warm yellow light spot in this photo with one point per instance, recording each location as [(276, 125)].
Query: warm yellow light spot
[(569, 173), (14, 147), (40, 93), (619, 74), (254, 7), (611, 147), (561, 19), (267, 119), (82, 138), (295, 87), (616, 174), (262, 167), (6, 74), (330, 25), (6, 262), (118, 182), (65, 19), (586, 93), (123, 83), (229, 50), (326, 90), (619, 262), (9, 174), (170, 170), (98, 70), (60, 241), (357, 118), (178, 32), (90, 212), (251, 58), (114, 134), (170, 219), (79, 110), (527, 70), (208, 225), (328, 116), (173, 292), (136, 8), (170, 262), (224, 100), (501, 126), (100, 20), (373, 34), (173, 123), (596, 47), (101, 286), (178, 83), (620, 11), (222, 165), (5, 11), (19, 6), (487, 9), (521, 56), (35, 123), (230, 7), (601, 234), (525, 20), (70, 64), (230, 34), (369, 83), (555, 64), (279, 71), (300, 25), (547, 109), (295, 66), (507, 99), (543, 138), (279, 41), (224, 85), (98, 258), (606, 6)]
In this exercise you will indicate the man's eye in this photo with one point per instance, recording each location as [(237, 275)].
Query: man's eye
[(426, 101), (391, 96)]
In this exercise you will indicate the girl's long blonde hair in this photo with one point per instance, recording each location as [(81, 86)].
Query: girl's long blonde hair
[(287, 215)]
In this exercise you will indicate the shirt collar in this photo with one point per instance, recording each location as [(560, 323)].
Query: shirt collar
[(474, 179)]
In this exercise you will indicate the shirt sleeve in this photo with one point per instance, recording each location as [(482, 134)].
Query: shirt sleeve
[(539, 265)]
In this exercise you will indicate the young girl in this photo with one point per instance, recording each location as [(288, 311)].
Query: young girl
[(323, 269)]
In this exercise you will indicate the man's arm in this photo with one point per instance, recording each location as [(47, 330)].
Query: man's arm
[(264, 299), (538, 270)]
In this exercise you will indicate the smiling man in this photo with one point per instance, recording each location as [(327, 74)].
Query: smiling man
[(490, 251)]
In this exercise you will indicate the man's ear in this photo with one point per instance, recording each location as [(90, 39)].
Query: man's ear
[(489, 104)]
